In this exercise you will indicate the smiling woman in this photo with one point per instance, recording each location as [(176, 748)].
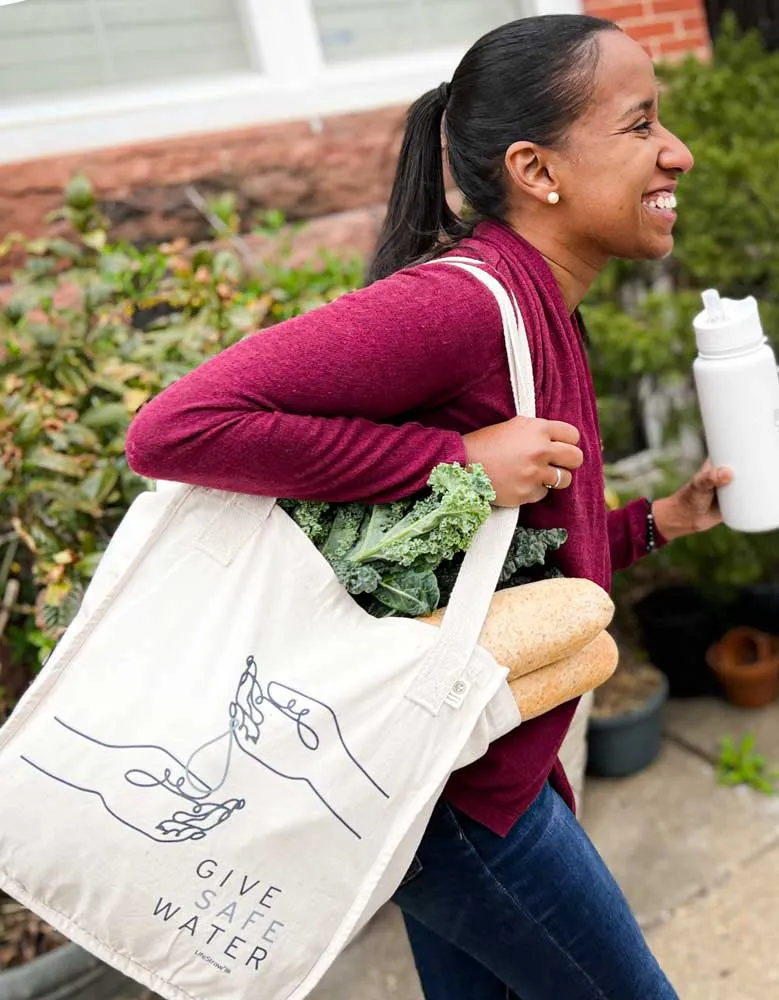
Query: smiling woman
[(616, 174), (551, 131)]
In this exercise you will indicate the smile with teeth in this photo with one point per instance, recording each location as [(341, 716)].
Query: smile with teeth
[(664, 200)]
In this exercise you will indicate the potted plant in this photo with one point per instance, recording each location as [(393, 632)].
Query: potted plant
[(625, 727)]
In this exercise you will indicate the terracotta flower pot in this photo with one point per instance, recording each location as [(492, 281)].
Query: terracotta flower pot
[(746, 661)]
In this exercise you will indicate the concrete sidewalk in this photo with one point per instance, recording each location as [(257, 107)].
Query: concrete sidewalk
[(698, 862)]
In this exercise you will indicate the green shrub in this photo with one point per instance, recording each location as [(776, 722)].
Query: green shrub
[(91, 330)]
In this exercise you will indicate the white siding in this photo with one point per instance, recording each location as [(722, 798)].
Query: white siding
[(352, 29)]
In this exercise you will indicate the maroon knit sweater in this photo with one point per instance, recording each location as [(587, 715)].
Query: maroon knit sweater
[(358, 400)]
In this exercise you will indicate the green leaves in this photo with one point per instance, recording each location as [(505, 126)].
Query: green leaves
[(435, 528), (79, 194), (409, 592), (52, 461), (530, 547), (729, 206), (93, 328), (392, 552), (740, 764)]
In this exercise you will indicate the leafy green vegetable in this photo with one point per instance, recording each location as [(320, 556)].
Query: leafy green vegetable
[(436, 527), (410, 592), (403, 558), (528, 548)]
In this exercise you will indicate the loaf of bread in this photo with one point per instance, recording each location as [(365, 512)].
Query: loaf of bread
[(546, 688), (541, 623)]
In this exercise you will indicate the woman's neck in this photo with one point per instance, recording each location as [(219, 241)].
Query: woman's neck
[(572, 272)]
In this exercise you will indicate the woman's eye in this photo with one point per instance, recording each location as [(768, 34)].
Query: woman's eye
[(645, 127)]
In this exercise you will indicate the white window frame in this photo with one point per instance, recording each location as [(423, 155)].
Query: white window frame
[(294, 83)]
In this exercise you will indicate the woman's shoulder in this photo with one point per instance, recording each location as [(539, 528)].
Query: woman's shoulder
[(433, 300)]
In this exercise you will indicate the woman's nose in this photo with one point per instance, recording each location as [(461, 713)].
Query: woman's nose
[(674, 155)]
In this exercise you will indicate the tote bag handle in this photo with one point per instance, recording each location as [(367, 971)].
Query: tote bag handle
[(441, 678)]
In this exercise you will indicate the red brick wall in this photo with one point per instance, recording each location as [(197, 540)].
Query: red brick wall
[(347, 164), (668, 29)]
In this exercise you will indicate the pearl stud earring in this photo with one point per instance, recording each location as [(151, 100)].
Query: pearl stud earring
[(553, 197)]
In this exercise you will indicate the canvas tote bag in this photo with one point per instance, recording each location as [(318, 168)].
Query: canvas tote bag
[(226, 765)]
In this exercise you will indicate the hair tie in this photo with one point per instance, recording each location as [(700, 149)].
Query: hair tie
[(444, 91)]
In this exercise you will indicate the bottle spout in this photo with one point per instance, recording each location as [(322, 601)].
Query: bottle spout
[(712, 303)]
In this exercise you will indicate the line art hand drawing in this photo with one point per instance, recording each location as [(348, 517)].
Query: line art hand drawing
[(261, 720), (148, 789), (145, 787)]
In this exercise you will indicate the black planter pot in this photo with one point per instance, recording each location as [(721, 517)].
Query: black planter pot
[(67, 973), (678, 624), (757, 606), (624, 744)]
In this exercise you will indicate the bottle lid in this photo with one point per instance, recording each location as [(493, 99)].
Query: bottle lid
[(727, 326)]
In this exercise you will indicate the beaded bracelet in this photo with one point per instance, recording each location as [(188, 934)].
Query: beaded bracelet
[(650, 528)]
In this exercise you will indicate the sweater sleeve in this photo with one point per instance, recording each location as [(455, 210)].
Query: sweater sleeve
[(318, 407), (627, 534)]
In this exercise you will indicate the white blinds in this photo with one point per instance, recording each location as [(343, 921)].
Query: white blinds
[(352, 29), (68, 46)]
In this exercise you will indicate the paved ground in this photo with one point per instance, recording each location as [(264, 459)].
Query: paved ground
[(698, 862)]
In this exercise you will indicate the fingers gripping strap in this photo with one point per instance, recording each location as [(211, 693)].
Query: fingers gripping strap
[(442, 670)]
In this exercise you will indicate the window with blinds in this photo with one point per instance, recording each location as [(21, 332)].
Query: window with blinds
[(71, 46), (352, 29)]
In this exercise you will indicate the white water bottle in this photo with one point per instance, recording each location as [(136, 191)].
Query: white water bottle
[(738, 391)]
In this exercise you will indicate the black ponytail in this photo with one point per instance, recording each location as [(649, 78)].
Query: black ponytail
[(528, 79), (418, 215)]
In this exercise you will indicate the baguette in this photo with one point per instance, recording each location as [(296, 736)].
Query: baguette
[(537, 624), (574, 675)]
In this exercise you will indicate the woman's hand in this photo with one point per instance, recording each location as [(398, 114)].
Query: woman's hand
[(521, 456), (694, 506)]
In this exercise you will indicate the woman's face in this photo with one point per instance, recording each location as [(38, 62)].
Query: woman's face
[(617, 171)]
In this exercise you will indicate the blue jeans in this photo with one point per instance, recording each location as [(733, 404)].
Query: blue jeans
[(535, 915)]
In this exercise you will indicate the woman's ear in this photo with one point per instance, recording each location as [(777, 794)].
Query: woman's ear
[(530, 171)]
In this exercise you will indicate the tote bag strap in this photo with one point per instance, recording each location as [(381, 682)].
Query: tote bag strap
[(441, 678)]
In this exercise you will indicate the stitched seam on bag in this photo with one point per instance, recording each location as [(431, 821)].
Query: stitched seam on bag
[(544, 930), (435, 780), (104, 946), (222, 539)]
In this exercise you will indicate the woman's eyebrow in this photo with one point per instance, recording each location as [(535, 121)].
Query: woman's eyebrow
[(646, 106)]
